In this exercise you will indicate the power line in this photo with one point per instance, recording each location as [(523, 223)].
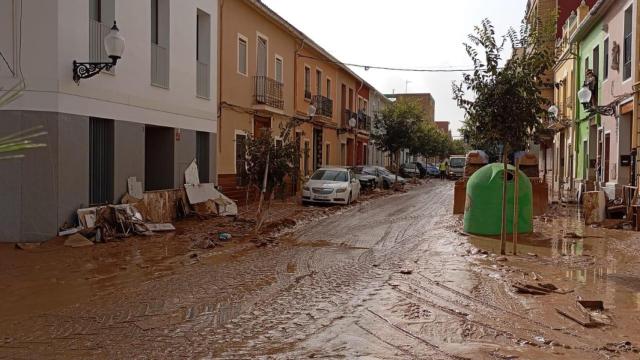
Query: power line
[(369, 67)]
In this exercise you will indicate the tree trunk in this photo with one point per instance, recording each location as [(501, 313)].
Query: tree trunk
[(515, 208), (503, 227), (264, 189)]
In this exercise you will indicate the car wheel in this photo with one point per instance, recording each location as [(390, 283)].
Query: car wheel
[(385, 185)]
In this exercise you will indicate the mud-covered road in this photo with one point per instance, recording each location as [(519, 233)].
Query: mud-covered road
[(391, 279)]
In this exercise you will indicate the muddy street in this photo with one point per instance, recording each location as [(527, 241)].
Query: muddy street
[(387, 278)]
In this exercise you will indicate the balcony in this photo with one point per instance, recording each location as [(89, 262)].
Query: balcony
[(202, 79), (324, 106), (159, 65), (364, 122), (344, 120), (268, 92)]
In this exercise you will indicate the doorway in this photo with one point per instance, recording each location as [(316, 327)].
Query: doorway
[(158, 157), (317, 148), (101, 154), (607, 153)]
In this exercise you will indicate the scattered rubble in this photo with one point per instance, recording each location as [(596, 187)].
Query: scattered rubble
[(77, 240)]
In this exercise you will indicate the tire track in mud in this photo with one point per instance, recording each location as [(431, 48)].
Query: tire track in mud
[(243, 307)]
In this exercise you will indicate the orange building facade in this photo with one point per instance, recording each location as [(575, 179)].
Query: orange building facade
[(270, 74)]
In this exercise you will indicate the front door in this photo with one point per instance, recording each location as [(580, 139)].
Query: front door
[(317, 148)]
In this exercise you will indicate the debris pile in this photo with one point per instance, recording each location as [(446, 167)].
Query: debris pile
[(143, 213)]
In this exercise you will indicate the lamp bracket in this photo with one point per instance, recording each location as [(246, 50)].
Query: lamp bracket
[(86, 70)]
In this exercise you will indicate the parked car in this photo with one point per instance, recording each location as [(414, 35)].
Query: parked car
[(367, 182), (383, 176), (456, 166), (331, 185), (409, 170), (432, 170)]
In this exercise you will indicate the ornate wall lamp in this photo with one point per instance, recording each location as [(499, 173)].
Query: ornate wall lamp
[(113, 44)]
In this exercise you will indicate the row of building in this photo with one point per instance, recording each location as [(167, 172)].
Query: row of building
[(196, 78), (592, 136)]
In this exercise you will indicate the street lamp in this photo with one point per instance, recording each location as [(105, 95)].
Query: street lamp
[(352, 124), (584, 96), (553, 111), (114, 46)]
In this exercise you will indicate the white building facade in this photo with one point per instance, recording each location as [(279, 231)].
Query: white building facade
[(149, 117)]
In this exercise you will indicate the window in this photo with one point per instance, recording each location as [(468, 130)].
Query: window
[(586, 65), (307, 82), (160, 43), (596, 61), (605, 59), (242, 55), (329, 88), (95, 10), (203, 52), (101, 16), (627, 46), (318, 82), (262, 56), (278, 69)]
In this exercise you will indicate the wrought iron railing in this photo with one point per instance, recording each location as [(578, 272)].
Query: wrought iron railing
[(159, 65), (346, 115), (364, 122), (324, 105), (202, 79), (268, 91)]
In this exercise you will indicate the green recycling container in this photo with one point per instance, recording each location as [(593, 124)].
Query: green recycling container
[(483, 204)]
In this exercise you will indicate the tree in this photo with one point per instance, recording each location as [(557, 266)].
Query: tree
[(507, 105), (429, 141), (269, 162), (457, 147), (396, 128)]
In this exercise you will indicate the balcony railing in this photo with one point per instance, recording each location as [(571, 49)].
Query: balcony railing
[(364, 122), (344, 120), (324, 106), (202, 79), (268, 92), (159, 65), (97, 32)]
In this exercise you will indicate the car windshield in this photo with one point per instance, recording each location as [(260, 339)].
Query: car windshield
[(330, 175), (456, 162)]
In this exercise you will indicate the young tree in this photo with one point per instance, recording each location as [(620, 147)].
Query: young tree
[(268, 163), (396, 128), (506, 105)]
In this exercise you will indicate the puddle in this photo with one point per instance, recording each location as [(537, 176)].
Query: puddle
[(598, 263)]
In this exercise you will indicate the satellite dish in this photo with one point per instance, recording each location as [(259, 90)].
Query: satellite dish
[(312, 111), (352, 122)]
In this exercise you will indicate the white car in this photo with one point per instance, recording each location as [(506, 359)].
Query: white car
[(331, 185)]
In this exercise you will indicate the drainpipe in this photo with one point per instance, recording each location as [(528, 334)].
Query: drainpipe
[(220, 33), (295, 96), (355, 129)]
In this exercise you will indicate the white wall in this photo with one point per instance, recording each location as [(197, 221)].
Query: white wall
[(50, 44)]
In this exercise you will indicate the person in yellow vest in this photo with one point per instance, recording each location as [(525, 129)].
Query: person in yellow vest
[(443, 169)]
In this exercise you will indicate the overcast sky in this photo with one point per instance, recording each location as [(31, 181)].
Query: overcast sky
[(401, 33)]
